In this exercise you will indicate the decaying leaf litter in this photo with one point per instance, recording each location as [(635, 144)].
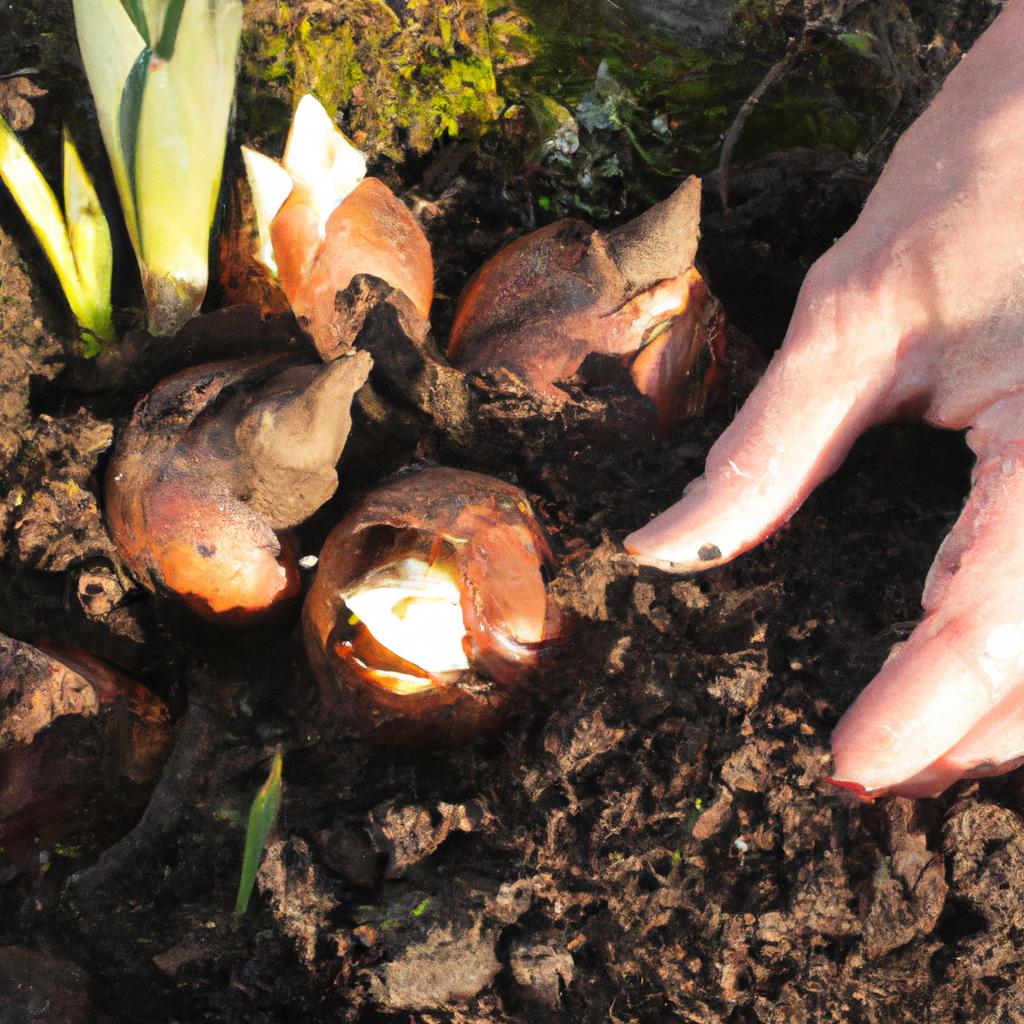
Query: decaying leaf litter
[(650, 840)]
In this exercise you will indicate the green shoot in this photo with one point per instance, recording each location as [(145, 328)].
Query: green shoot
[(859, 42), (162, 73), (694, 816), (76, 240), (262, 816)]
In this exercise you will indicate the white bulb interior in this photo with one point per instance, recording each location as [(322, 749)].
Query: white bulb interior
[(413, 609), (270, 185), (319, 156)]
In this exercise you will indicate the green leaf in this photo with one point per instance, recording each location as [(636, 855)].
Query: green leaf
[(262, 816), (162, 73), (169, 32), (38, 204), (91, 348), (859, 42), (128, 115), (137, 13), (156, 17), (179, 156), (88, 294), (110, 43), (89, 235)]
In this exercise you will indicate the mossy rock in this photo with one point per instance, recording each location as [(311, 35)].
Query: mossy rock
[(404, 75), (646, 108)]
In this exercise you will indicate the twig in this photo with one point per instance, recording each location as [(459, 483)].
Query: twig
[(828, 22), (775, 72), (175, 793)]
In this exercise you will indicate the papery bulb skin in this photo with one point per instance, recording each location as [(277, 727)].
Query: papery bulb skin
[(243, 281), (548, 300), (80, 746), (322, 222), (171, 300), (680, 362), (447, 570), (370, 232), (214, 468)]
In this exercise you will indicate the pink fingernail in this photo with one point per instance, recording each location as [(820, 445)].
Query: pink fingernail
[(854, 787)]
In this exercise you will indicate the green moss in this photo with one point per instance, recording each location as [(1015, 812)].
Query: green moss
[(602, 112), (759, 22), (647, 109), (400, 83), (643, 108), (326, 64)]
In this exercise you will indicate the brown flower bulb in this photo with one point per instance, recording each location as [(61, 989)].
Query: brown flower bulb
[(216, 465), (80, 745), (548, 300), (430, 604), (322, 222)]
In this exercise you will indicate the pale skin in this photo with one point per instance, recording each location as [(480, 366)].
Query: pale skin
[(917, 310)]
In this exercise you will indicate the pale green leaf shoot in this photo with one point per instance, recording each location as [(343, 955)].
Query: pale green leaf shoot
[(262, 816), (859, 42), (163, 77), (110, 45), (76, 240), (89, 235)]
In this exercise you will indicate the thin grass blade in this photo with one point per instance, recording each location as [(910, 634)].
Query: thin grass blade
[(262, 817), (128, 114)]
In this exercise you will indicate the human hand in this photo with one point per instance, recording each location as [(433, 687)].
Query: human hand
[(917, 310)]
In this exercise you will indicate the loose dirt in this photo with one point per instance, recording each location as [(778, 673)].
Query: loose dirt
[(648, 839)]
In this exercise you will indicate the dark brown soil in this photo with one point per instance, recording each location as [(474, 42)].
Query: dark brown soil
[(649, 840)]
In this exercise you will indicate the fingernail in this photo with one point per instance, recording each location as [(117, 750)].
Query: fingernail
[(859, 791)]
